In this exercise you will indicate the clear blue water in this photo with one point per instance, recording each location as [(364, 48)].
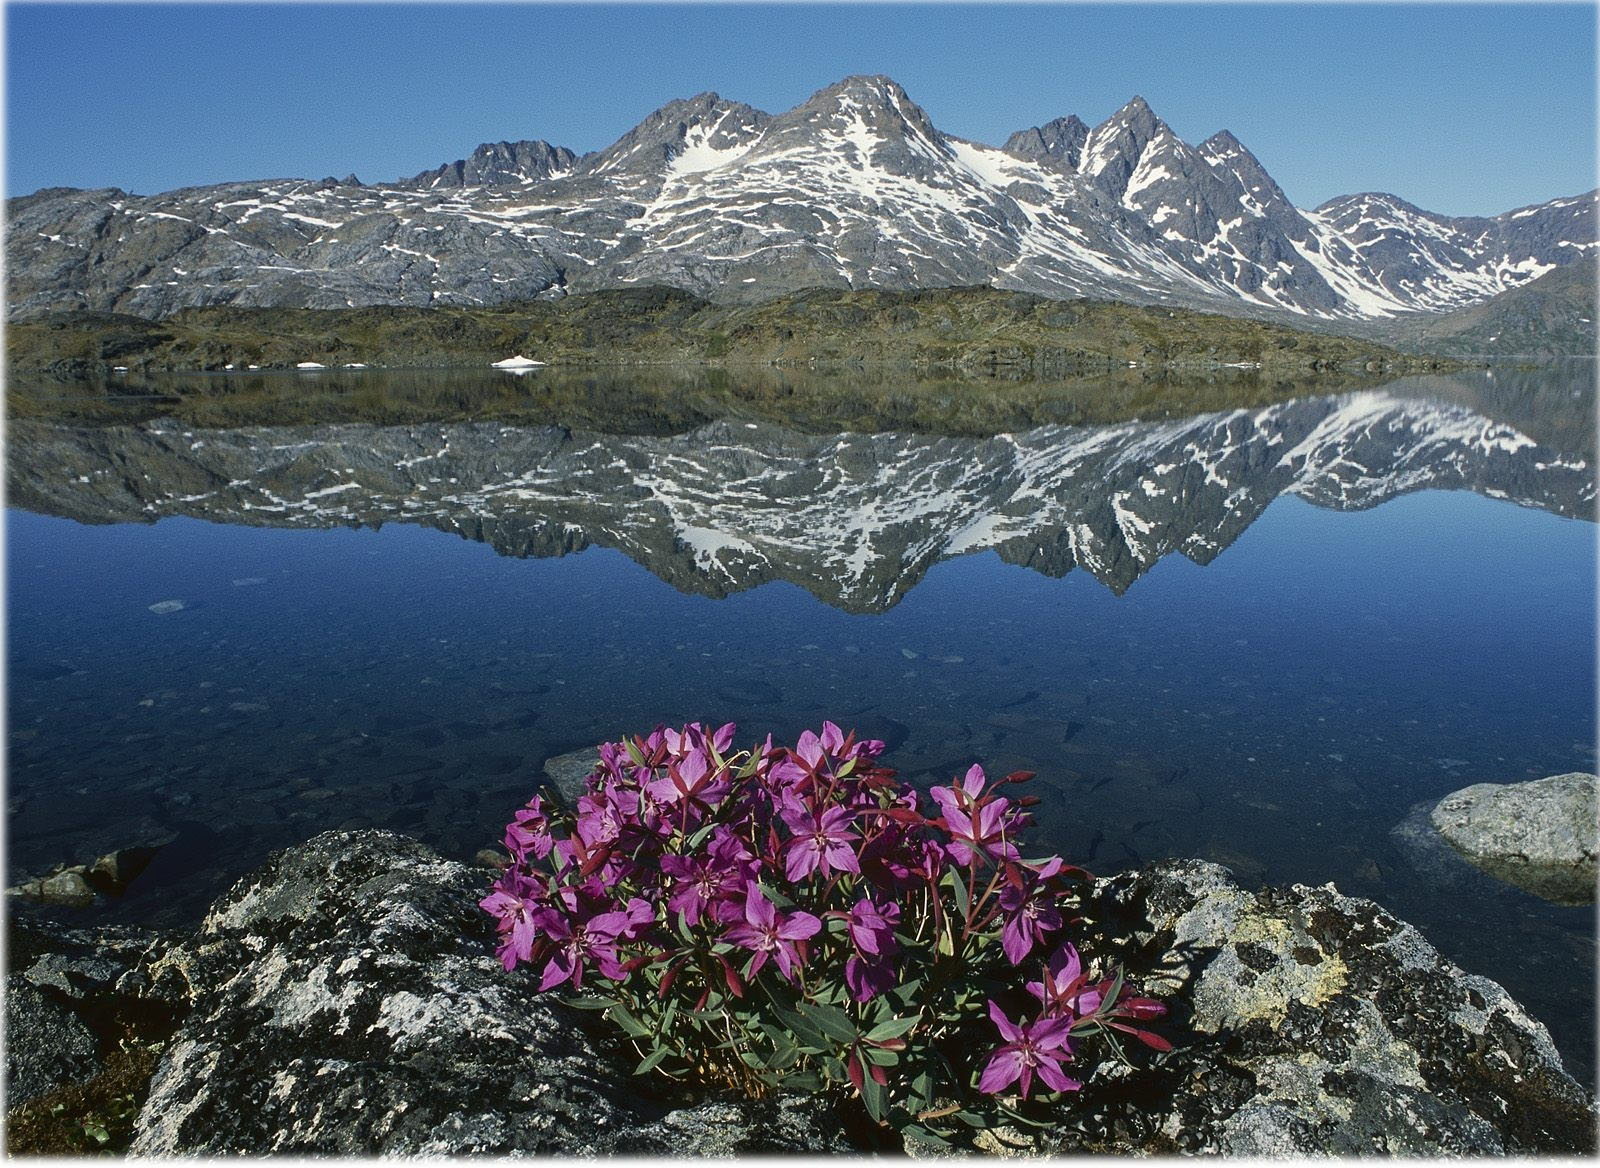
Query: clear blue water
[(1279, 710)]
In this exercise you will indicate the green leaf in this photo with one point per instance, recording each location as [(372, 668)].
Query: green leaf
[(652, 1061), (884, 1058), (875, 1097), (586, 1003), (833, 1021), (893, 1028), (910, 993), (922, 1091), (924, 1135), (811, 1038), (633, 750), (963, 898), (630, 1025), (970, 1119)]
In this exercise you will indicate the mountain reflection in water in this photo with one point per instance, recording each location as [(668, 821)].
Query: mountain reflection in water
[(1280, 709), (856, 519)]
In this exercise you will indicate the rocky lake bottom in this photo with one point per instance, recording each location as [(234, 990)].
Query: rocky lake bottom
[(1382, 597)]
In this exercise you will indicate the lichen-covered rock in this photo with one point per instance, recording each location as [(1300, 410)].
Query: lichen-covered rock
[(1311, 1023), (347, 1002), (46, 1044), (1538, 835)]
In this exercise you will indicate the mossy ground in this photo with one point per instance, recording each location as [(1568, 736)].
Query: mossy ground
[(968, 328), (87, 1118)]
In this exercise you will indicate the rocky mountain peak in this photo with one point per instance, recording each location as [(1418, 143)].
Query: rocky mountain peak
[(868, 119), (1228, 155), (704, 121), (1059, 142), (1112, 149), (498, 164)]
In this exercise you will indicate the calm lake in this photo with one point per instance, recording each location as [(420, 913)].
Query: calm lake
[(1255, 624)]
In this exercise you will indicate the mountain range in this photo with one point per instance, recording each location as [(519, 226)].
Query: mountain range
[(854, 188), (857, 519)]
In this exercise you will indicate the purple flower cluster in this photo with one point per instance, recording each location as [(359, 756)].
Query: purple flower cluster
[(689, 872)]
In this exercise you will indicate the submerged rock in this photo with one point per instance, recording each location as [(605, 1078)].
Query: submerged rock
[(1538, 835), (347, 1002)]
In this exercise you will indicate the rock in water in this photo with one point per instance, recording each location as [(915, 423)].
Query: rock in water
[(565, 773), (1539, 835), (348, 1003), (161, 607)]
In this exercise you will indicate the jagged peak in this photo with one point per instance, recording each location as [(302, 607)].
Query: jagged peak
[(873, 100), (660, 137), (1223, 142), (1113, 148), (1060, 140), (494, 163)]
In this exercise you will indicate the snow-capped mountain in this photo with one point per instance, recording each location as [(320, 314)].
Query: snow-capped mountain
[(854, 188), (856, 519)]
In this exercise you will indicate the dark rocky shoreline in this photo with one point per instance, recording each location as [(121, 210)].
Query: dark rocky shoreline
[(344, 1000)]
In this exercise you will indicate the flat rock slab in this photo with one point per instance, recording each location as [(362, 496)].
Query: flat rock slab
[(1539, 835)]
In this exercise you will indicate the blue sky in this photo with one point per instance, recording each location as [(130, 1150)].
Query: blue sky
[(1471, 109)]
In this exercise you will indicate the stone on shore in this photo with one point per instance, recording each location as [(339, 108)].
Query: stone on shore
[(1312, 1023), (346, 1001), (1538, 835)]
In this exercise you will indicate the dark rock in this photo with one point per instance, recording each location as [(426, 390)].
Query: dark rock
[(565, 773), (1539, 835), (720, 199), (47, 1045), (347, 1002)]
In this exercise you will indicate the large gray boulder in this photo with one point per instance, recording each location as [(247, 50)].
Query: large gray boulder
[(1312, 1023), (1538, 835), (346, 1001)]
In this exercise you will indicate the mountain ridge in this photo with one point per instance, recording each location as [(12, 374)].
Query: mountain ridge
[(854, 188)]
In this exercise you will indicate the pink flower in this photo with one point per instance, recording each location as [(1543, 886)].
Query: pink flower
[(820, 841), (872, 928), (1031, 911), (1038, 1046), (768, 933)]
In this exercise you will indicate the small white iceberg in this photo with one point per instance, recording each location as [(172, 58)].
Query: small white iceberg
[(310, 365), (517, 362), (354, 365)]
